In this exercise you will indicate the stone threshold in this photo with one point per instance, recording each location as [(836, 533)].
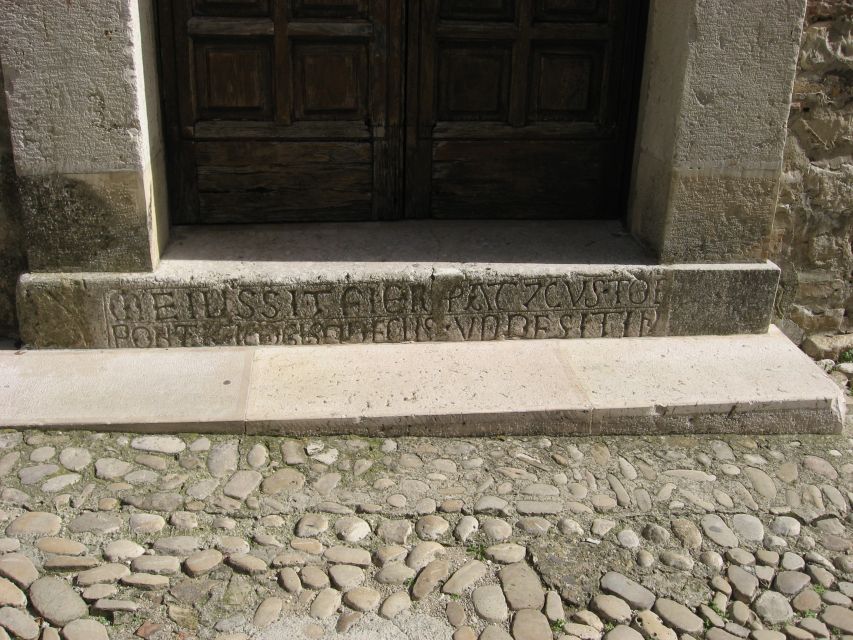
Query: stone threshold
[(419, 281), (733, 384)]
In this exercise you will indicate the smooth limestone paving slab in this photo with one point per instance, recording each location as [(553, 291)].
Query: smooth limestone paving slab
[(482, 384), (696, 381), (759, 384), (163, 390), (598, 386)]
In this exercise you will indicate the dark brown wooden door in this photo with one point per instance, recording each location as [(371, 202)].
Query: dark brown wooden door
[(282, 110), (522, 107)]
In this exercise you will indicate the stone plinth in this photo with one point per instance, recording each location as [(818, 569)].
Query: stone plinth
[(371, 284), (421, 305)]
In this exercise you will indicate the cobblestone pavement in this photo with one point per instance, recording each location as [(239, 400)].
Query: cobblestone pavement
[(122, 536)]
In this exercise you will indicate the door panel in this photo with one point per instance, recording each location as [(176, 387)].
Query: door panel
[(285, 109), (516, 179)]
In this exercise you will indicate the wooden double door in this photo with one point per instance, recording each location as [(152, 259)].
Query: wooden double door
[(311, 110)]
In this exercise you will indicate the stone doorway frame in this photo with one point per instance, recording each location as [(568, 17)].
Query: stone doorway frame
[(84, 110)]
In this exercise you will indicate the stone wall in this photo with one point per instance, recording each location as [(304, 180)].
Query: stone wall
[(813, 232), (11, 255)]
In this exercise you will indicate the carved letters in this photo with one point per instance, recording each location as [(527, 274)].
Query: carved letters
[(453, 309)]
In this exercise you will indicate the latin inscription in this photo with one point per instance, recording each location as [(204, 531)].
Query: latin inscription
[(439, 310)]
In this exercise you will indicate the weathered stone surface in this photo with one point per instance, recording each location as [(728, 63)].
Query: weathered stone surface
[(464, 577), (111, 605), (786, 526), (423, 554), (159, 444), (429, 577), (362, 599), (352, 528), (35, 523), (247, 563), (687, 532), (611, 608), (748, 527), (75, 458), (649, 624), (19, 569), (744, 584), (242, 484), (232, 544), (85, 630), (106, 573), (56, 601), (325, 604), (622, 632), (314, 577), (36, 473), (8, 545), (160, 565), (112, 468), (582, 631), (816, 261), (394, 573), (19, 623), (180, 546), (10, 595), (522, 587), (790, 583), (718, 531), (121, 550), (202, 562), (761, 482), (70, 563), (529, 624), (679, 617), (223, 458), (146, 522), (395, 531), (490, 603), (431, 527), (661, 304), (494, 632), (629, 590), (61, 546), (146, 581), (773, 608), (98, 523), (285, 480), (395, 604), (567, 564), (347, 555), (311, 525), (838, 617), (506, 553), (346, 576)]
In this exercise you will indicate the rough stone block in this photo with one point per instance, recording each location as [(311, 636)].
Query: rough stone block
[(86, 222), (273, 305), (711, 129)]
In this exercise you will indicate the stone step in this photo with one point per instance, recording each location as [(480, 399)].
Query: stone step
[(743, 383), (422, 281)]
